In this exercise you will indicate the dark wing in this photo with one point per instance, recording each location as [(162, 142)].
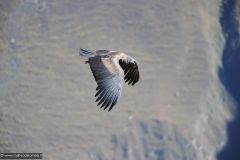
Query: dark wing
[(131, 72), (109, 78), (86, 53)]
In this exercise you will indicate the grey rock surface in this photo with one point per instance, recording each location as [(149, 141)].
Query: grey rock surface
[(178, 110)]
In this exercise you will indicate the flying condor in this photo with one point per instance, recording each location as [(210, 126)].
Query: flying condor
[(110, 69)]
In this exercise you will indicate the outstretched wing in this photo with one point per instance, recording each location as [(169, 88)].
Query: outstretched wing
[(102, 51), (131, 72), (109, 77)]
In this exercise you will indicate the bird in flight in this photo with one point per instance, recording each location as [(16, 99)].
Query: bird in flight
[(110, 69)]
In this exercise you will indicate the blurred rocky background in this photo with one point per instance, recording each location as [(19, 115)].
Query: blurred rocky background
[(180, 109)]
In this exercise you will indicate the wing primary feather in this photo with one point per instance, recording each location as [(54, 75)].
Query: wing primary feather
[(130, 76), (110, 100), (130, 71), (126, 77), (127, 68), (131, 80), (98, 92), (107, 99), (98, 87), (105, 102), (113, 103), (101, 95), (106, 95), (103, 98), (136, 78), (133, 77)]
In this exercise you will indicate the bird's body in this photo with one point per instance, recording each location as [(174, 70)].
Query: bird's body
[(110, 69)]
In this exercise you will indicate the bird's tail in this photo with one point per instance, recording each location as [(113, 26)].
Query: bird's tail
[(86, 53)]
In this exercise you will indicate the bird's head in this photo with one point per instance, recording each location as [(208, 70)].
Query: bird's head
[(126, 59), (131, 60)]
